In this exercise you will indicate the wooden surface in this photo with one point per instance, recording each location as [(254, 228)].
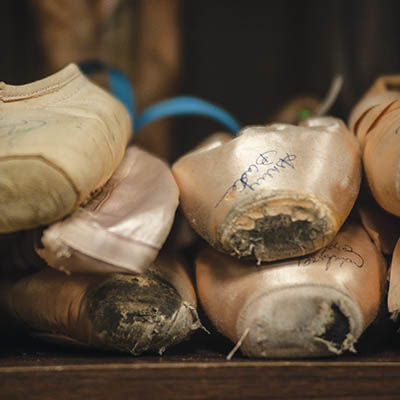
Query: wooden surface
[(30, 369)]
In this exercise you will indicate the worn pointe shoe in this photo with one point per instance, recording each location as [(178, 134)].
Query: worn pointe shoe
[(61, 138), (394, 283), (382, 227), (122, 228), (375, 122), (274, 191), (130, 313), (312, 306)]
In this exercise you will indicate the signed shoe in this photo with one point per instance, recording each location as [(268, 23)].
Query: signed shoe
[(312, 306), (274, 191), (122, 228), (61, 138), (130, 313), (375, 121)]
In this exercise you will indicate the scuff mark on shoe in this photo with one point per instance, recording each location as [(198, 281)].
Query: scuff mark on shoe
[(137, 314), (274, 228), (332, 328)]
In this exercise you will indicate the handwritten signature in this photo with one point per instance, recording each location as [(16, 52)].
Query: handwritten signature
[(334, 254), (12, 130), (265, 164)]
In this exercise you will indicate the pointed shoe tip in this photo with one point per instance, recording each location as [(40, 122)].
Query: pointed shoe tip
[(137, 314), (303, 321), (278, 227)]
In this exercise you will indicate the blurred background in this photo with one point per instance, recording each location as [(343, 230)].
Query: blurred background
[(250, 57)]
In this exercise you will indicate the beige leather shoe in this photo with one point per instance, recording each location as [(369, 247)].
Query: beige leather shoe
[(274, 191), (61, 138), (375, 122), (135, 314), (313, 306), (121, 229)]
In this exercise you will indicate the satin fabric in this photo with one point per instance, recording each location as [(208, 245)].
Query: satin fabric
[(375, 122), (62, 308), (61, 138), (124, 227), (277, 169), (285, 305)]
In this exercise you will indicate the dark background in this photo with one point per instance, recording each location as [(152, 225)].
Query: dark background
[(251, 56)]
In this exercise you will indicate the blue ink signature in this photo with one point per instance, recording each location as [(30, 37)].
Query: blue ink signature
[(15, 129), (328, 256), (265, 164)]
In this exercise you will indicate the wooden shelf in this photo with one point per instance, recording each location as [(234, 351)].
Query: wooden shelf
[(30, 369)]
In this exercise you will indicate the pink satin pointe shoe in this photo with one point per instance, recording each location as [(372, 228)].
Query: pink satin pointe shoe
[(382, 227), (129, 313), (375, 122), (123, 228), (274, 191), (61, 138), (312, 306)]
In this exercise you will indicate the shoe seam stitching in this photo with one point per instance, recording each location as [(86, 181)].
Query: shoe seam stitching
[(36, 93)]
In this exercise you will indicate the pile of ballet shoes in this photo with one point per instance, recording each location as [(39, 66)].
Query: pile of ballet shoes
[(293, 260)]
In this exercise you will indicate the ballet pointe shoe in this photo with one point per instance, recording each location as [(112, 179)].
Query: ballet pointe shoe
[(61, 138), (375, 121), (124, 227), (394, 283), (274, 191), (129, 313), (382, 227), (312, 306)]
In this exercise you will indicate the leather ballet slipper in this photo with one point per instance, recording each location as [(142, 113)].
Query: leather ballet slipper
[(274, 191), (123, 227), (61, 138), (375, 122), (312, 306), (129, 313)]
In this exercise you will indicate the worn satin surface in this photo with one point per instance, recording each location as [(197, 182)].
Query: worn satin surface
[(351, 264), (394, 282), (320, 158), (122, 228), (382, 227), (376, 122), (61, 138), (385, 89), (53, 302)]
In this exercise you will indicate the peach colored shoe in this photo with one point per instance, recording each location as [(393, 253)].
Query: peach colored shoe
[(375, 122), (382, 227), (61, 138), (312, 306), (394, 283), (124, 227), (135, 314), (274, 191)]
